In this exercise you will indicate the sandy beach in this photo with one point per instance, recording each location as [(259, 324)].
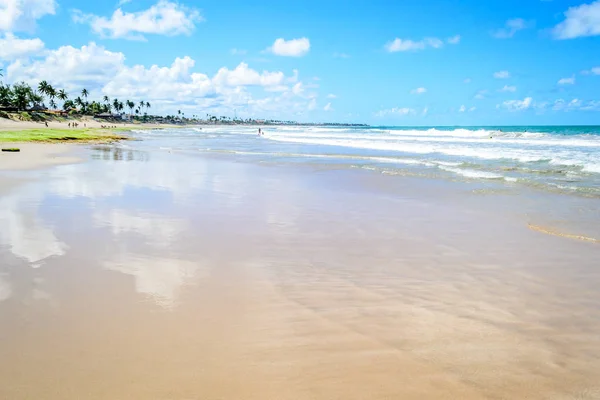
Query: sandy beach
[(12, 125), (123, 278)]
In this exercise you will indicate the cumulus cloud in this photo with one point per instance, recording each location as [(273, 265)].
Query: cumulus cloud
[(580, 21), (290, 48), (164, 18), (567, 81), (517, 105), (168, 88), (12, 47), (507, 88), (511, 27), (21, 15), (398, 44), (419, 90), (502, 75)]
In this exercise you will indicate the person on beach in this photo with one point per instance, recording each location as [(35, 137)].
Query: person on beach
[(259, 132)]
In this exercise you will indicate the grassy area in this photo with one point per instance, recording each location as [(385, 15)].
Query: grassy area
[(63, 135)]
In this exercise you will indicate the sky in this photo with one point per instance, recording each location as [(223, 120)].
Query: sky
[(410, 62)]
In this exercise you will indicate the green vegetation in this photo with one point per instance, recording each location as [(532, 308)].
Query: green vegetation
[(22, 97), (62, 135), (12, 150)]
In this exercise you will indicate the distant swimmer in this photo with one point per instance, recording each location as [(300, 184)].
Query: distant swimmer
[(259, 132)]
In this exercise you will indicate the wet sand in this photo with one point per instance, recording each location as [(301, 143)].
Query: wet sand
[(137, 275)]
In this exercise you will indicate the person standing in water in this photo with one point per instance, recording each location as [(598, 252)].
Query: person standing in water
[(259, 132)]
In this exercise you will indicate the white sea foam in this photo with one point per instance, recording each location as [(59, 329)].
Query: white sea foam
[(469, 173)]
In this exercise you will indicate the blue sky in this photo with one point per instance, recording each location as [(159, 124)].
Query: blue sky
[(417, 62)]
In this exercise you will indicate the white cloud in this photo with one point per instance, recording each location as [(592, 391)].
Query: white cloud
[(70, 67), (12, 47), (419, 90), (410, 45), (328, 107), (168, 88), (238, 52), (454, 39), (567, 81), (502, 75), (593, 71), (507, 88), (517, 105), (290, 48), (402, 111), (425, 111), (463, 109), (511, 27), (331, 96), (163, 18), (480, 95), (580, 21), (21, 15), (242, 75), (467, 80), (122, 2)]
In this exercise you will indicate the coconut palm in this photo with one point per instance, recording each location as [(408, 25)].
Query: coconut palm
[(116, 105), (130, 105), (85, 93), (142, 105), (43, 87), (62, 95), (106, 99), (79, 102), (52, 104)]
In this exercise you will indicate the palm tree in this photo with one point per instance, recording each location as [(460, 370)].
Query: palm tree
[(62, 95), (52, 104), (116, 105), (43, 87), (79, 102), (131, 105), (51, 92), (121, 107), (142, 105), (85, 93), (106, 99)]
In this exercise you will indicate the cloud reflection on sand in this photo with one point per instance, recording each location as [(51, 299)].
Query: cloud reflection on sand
[(24, 231), (160, 231), (5, 288), (159, 278)]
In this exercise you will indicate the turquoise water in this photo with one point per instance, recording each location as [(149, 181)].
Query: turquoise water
[(564, 159)]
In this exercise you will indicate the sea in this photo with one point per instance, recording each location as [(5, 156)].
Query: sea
[(563, 159)]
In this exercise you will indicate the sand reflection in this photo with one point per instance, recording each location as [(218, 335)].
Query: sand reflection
[(23, 230), (158, 278)]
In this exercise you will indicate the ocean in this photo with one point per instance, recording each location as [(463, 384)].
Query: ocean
[(564, 159)]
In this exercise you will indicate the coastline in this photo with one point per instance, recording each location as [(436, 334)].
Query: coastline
[(293, 281)]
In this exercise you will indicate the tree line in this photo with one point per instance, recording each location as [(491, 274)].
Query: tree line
[(23, 97)]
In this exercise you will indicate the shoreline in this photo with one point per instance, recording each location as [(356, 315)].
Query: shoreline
[(411, 283)]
